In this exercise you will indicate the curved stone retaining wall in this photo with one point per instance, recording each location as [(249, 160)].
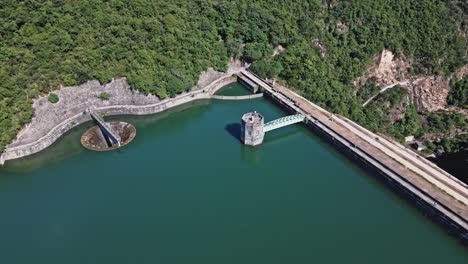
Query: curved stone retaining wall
[(60, 129), (236, 97)]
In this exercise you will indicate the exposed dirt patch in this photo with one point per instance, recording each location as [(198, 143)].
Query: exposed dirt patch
[(278, 50), (387, 70), (461, 73), (211, 74), (427, 93), (436, 137), (342, 27), (321, 46)]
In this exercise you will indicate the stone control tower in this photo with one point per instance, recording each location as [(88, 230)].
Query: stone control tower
[(252, 129)]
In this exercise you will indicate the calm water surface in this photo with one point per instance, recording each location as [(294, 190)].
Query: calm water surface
[(187, 191)]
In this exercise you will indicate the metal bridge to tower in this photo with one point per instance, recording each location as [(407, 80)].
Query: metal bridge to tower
[(253, 128), (283, 121)]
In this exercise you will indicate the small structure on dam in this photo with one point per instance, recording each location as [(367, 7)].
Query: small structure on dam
[(253, 128), (107, 135), (249, 84)]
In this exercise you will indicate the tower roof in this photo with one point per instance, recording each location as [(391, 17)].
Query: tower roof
[(252, 117)]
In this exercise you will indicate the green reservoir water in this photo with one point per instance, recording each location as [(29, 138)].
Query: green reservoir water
[(234, 89), (187, 191)]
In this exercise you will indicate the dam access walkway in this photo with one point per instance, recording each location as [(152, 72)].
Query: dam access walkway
[(421, 178), (107, 131)]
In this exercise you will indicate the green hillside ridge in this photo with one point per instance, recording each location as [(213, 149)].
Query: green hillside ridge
[(161, 47)]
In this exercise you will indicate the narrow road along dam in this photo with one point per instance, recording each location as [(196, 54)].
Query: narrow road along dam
[(439, 190)]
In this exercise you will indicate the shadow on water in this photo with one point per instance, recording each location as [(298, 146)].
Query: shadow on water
[(455, 164), (253, 154), (234, 129)]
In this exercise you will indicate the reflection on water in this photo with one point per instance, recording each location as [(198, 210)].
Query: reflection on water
[(234, 129), (143, 121), (250, 154)]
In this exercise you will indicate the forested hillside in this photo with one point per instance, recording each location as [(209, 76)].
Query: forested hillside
[(162, 46)]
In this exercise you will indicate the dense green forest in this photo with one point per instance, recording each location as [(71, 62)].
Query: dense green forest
[(459, 93), (162, 46)]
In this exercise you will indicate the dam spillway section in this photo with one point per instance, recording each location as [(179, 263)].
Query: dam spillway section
[(107, 135), (108, 131)]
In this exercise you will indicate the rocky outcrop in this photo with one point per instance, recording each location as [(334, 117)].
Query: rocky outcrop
[(461, 73), (427, 93), (323, 50)]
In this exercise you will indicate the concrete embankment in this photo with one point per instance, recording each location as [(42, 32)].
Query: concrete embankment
[(29, 146), (236, 97), (444, 202), (418, 197)]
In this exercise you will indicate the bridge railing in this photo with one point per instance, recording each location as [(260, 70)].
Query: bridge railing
[(283, 121)]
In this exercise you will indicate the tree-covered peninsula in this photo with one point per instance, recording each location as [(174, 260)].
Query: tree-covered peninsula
[(317, 47)]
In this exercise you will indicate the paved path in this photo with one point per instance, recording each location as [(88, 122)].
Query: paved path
[(236, 97), (383, 90)]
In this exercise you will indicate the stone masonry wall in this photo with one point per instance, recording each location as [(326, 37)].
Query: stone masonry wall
[(51, 121)]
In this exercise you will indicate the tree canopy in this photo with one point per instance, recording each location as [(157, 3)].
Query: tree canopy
[(458, 95), (162, 46)]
